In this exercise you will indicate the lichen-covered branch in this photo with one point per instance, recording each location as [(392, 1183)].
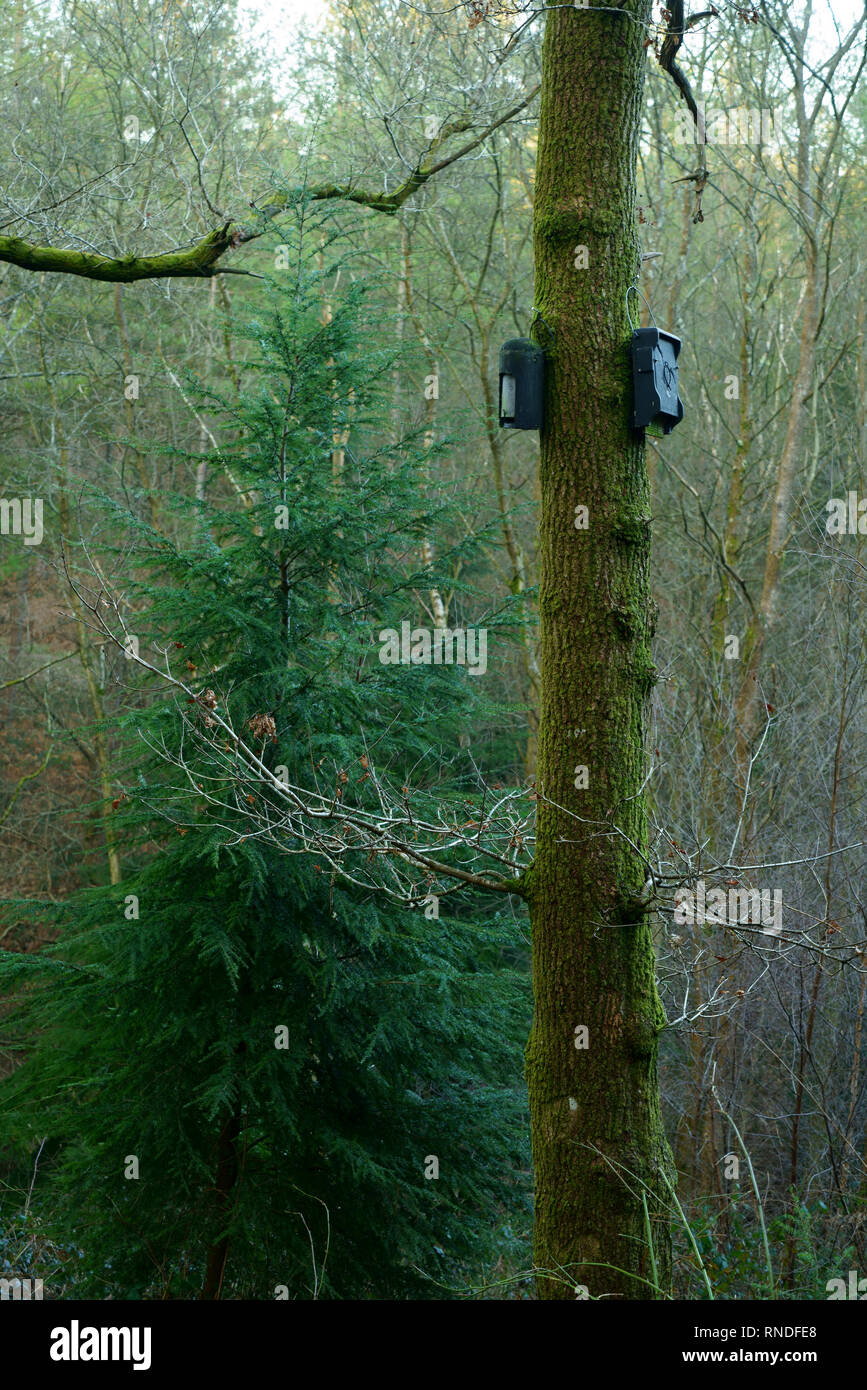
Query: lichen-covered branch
[(204, 257)]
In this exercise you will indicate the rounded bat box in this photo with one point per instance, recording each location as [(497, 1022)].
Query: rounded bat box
[(522, 384)]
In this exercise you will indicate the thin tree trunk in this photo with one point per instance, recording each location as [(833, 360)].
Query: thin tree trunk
[(129, 414), (748, 702), (514, 549), (96, 692), (95, 686), (431, 395), (818, 976), (224, 1186)]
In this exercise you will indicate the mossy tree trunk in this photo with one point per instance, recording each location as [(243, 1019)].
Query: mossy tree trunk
[(598, 1142)]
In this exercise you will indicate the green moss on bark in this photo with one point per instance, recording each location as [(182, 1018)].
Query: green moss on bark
[(595, 1111)]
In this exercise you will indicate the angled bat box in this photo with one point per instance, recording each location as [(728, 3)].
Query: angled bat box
[(522, 384), (655, 402)]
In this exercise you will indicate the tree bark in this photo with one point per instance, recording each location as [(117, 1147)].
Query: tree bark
[(598, 1142), (224, 1188)]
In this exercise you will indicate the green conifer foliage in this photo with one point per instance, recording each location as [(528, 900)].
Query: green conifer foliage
[(277, 1053)]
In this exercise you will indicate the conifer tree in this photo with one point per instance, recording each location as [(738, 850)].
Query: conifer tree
[(258, 1080)]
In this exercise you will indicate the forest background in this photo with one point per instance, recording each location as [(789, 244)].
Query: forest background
[(130, 409)]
